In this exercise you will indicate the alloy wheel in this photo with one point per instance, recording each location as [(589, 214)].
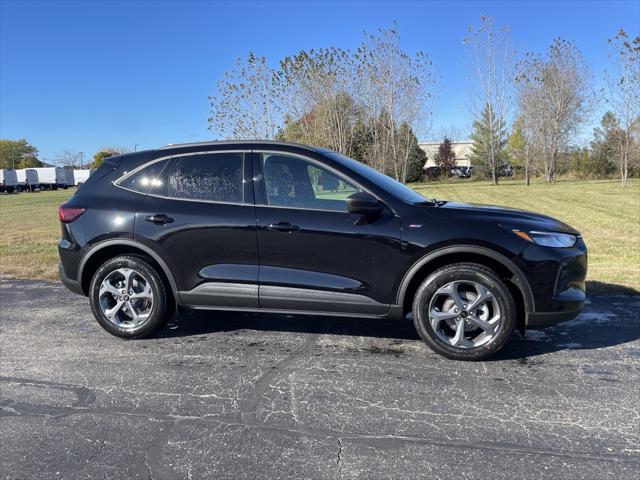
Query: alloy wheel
[(464, 314), (126, 298)]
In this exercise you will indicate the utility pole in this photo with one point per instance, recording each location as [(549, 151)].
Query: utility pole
[(135, 147), (81, 163)]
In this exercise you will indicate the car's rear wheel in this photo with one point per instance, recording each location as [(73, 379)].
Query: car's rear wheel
[(464, 312), (129, 298)]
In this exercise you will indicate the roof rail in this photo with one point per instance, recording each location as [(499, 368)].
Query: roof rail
[(236, 142)]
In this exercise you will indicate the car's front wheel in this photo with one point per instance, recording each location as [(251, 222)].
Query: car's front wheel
[(464, 312), (129, 298)]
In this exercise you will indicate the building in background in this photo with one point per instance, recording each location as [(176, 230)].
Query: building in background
[(462, 150)]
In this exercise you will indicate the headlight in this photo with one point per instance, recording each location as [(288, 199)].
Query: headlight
[(548, 239)]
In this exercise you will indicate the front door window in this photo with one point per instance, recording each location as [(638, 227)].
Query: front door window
[(294, 182)]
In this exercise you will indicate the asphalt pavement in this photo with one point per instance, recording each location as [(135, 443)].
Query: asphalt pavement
[(241, 395)]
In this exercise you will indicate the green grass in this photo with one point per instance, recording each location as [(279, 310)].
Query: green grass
[(607, 215), (29, 233)]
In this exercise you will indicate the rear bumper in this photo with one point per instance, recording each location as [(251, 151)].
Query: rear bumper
[(71, 284)]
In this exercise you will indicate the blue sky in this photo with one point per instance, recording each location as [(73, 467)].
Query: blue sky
[(81, 75)]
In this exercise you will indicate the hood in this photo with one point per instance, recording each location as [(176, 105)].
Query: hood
[(505, 216)]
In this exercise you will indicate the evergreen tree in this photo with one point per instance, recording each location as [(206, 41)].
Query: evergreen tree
[(361, 148), (416, 156), (604, 147), (489, 143)]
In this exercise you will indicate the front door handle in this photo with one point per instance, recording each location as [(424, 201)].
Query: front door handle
[(283, 227), (159, 219)]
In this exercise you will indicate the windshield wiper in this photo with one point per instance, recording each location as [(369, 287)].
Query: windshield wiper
[(432, 202)]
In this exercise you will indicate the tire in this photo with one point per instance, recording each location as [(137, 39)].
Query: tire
[(153, 306), (437, 312)]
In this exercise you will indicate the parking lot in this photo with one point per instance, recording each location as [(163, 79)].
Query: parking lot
[(234, 395)]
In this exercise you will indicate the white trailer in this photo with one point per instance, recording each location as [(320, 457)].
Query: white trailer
[(80, 176), (27, 179), (63, 177), (48, 177), (8, 181)]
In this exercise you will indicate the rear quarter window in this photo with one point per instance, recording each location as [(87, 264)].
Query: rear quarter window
[(146, 180)]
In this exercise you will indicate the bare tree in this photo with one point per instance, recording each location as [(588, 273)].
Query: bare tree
[(320, 105), (624, 94), (531, 127), (555, 99), (395, 89), (69, 158), (492, 60), (248, 105), (369, 103)]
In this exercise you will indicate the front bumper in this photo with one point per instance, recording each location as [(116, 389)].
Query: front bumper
[(569, 302), (566, 296)]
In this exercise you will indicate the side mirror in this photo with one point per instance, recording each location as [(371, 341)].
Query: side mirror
[(363, 203)]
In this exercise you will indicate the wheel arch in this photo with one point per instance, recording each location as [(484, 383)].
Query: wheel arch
[(102, 251), (503, 266)]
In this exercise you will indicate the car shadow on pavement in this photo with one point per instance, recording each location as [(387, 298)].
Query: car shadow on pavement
[(608, 321), (199, 322), (608, 326)]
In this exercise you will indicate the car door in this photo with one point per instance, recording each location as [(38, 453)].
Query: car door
[(199, 216), (314, 255)]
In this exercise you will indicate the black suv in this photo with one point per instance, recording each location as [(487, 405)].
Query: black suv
[(281, 227)]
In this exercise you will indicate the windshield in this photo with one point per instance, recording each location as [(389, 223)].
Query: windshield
[(394, 187)]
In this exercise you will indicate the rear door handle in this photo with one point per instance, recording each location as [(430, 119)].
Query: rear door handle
[(283, 227), (159, 219)]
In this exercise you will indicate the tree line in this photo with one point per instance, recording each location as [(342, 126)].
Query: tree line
[(369, 103), (549, 98), (18, 154), (372, 103)]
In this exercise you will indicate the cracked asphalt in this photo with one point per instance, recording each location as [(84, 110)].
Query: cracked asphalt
[(235, 395)]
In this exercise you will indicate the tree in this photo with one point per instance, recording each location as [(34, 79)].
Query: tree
[(416, 157), (604, 147), (493, 68), (249, 101), (14, 152), (489, 140), (624, 95), (395, 88), (520, 151), (318, 93), (29, 162), (445, 158), (555, 100), (581, 163), (99, 156), (70, 158), (368, 103)]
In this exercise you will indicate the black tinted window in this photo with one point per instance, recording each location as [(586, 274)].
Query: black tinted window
[(295, 182), (146, 180), (213, 177)]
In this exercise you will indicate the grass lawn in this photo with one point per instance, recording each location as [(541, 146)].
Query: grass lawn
[(607, 215)]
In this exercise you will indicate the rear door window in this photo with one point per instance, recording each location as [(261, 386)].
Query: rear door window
[(214, 177)]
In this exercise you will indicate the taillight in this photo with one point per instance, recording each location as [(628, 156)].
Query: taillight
[(69, 214)]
